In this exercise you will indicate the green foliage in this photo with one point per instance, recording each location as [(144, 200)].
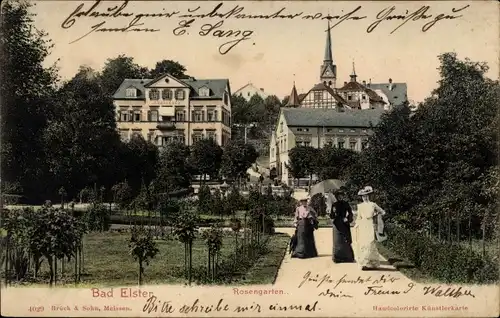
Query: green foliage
[(217, 203), (97, 218), (213, 239), (237, 158), (186, 226), (174, 172), (168, 67), (431, 163), (206, 157), (26, 88), (117, 69), (122, 194), (204, 199), (142, 247), (442, 261), (140, 159), (334, 162), (303, 161)]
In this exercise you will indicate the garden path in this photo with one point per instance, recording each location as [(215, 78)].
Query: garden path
[(292, 270)]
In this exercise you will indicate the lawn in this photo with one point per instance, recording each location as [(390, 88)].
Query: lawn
[(108, 263)]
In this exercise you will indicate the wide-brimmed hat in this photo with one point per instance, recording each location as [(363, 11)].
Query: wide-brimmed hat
[(366, 190)]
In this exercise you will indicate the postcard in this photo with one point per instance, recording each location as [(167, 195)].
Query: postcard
[(249, 158)]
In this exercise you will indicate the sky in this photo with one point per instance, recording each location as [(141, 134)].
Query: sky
[(277, 51)]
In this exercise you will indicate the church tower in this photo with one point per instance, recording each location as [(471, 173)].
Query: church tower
[(328, 72)]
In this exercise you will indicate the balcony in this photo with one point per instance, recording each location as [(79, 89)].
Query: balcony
[(166, 125)]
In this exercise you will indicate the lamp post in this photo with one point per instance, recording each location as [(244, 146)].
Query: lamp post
[(223, 188)]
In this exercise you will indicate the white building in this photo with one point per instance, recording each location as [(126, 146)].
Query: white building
[(249, 90)]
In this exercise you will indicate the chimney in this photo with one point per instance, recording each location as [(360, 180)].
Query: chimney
[(345, 83), (261, 89), (364, 83), (390, 84)]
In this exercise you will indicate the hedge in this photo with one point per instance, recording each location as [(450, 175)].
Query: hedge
[(441, 261)]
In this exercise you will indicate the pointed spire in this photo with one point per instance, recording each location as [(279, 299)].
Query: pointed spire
[(328, 47), (353, 74), (293, 101)]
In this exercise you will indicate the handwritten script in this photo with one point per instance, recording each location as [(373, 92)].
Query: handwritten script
[(155, 305), (212, 20)]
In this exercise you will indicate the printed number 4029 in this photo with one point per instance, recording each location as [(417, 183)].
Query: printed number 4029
[(36, 309)]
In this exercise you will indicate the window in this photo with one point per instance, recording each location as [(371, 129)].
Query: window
[(197, 136), (353, 130), (180, 115), (341, 130), (212, 135), (307, 143), (131, 92), (154, 94), (364, 130), (124, 115), (349, 97), (212, 115), (363, 97), (281, 127), (137, 115), (306, 129), (153, 115), (226, 98), (166, 94), (299, 129), (151, 134), (179, 94), (329, 130), (197, 116), (318, 96), (123, 134), (341, 144), (248, 94), (352, 144), (204, 91)]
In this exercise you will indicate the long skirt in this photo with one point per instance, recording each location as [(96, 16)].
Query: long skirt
[(342, 249), (306, 247), (367, 253)]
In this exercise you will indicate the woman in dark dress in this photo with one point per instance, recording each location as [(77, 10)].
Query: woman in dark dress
[(342, 216), (305, 220)]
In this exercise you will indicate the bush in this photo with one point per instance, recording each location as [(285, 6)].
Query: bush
[(444, 262), (97, 217)]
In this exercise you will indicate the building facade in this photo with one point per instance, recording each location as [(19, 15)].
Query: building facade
[(352, 94), (316, 128), (166, 109), (249, 90)]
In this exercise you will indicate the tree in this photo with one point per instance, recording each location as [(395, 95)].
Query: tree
[(142, 248), (303, 161), (140, 158), (186, 229), (26, 88), (117, 69), (168, 67), (237, 158), (206, 157), (204, 199), (240, 112), (174, 172), (334, 162), (81, 139)]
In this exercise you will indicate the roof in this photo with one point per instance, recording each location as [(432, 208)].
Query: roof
[(294, 98), (127, 83), (216, 86), (355, 86), (323, 87), (321, 117), (396, 96)]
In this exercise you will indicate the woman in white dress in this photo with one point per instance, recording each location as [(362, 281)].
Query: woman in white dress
[(369, 229)]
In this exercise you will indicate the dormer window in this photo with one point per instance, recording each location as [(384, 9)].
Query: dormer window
[(131, 92), (179, 94), (204, 91), (154, 94), (166, 94)]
